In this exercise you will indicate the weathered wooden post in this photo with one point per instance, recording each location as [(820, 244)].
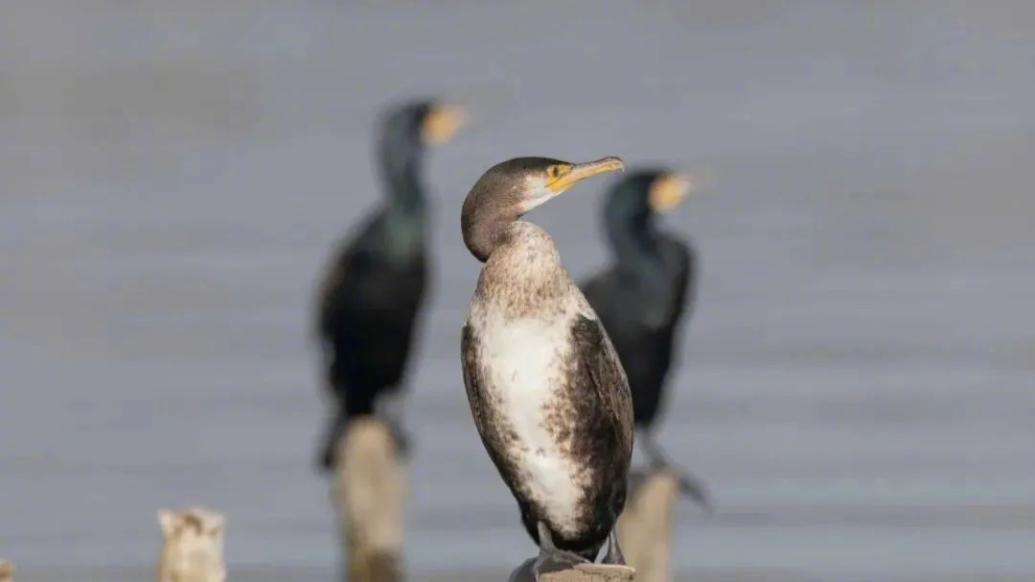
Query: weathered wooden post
[(6, 571), (193, 549), (369, 495), (579, 573), (592, 573), (645, 527)]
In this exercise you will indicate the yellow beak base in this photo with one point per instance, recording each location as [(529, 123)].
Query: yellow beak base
[(441, 124), (580, 172), (668, 191)]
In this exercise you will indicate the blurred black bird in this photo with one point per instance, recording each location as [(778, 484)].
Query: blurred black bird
[(373, 290), (642, 298)]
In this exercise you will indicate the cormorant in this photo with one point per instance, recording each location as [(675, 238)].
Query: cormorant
[(641, 299), (372, 292), (546, 389)]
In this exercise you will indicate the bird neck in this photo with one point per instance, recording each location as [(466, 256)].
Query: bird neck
[(404, 235), (405, 207), (636, 244), (405, 219), (642, 268), (400, 164), (523, 276), (486, 229), (405, 192)]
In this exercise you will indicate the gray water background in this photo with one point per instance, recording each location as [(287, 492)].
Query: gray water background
[(858, 385)]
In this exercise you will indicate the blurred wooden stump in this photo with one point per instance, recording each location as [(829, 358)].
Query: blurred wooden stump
[(581, 573), (6, 571), (592, 573), (369, 496), (193, 548), (645, 527)]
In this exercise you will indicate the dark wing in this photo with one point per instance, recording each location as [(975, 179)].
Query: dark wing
[(367, 315), (338, 289), (612, 299), (604, 434), (682, 261), (603, 370)]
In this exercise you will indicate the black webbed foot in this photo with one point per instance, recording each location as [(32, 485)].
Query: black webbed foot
[(390, 409), (329, 453), (689, 484), (552, 559), (614, 550), (401, 438), (693, 488), (328, 458)]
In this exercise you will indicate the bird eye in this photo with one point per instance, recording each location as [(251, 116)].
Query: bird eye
[(553, 172)]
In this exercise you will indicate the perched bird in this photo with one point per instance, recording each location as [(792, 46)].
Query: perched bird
[(546, 389), (641, 299), (373, 290)]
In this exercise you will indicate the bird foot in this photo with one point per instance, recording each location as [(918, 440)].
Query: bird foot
[(555, 560), (328, 457), (533, 569), (614, 551), (551, 558), (689, 485), (390, 410), (401, 438), (692, 487)]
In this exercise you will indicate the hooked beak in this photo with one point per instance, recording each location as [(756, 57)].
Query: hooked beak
[(580, 172), (668, 191), (442, 123)]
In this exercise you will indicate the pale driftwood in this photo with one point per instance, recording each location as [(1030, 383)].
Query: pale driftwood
[(592, 573), (193, 548), (369, 495), (645, 527), (6, 571), (579, 573)]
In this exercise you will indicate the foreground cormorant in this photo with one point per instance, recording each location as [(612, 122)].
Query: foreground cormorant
[(641, 299), (546, 389), (373, 289)]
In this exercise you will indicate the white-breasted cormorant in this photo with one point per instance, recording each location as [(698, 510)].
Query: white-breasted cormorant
[(373, 289), (546, 389), (643, 297)]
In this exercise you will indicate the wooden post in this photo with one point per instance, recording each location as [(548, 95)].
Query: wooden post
[(6, 571), (193, 549), (579, 573), (592, 573), (369, 495), (645, 527)]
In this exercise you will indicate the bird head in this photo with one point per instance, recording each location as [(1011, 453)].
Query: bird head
[(509, 189), (647, 191), (422, 123), (406, 131), (521, 184)]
